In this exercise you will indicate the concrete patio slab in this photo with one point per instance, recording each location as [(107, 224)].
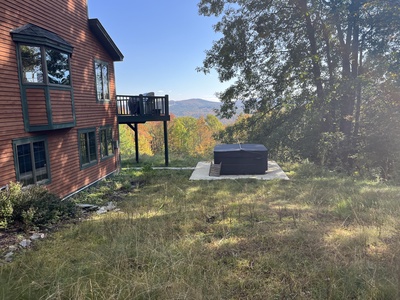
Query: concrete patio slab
[(203, 167)]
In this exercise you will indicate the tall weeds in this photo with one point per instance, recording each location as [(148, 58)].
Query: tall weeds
[(317, 237)]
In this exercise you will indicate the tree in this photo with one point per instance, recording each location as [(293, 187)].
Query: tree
[(214, 124), (183, 134), (321, 58), (191, 136), (204, 142), (156, 132), (127, 139)]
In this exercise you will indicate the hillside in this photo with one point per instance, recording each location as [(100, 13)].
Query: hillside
[(194, 108)]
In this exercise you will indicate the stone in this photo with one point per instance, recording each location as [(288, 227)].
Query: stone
[(111, 206), (101, 210), (12, 248), (8, 256), (25, 243), (88, 207), (37, 236)]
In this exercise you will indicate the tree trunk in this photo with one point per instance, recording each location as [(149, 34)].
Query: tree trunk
[(310, 30), (330, 115), (358, 99), (350, 74)]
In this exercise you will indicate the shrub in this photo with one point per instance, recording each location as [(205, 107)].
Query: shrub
[(33, 206), (6, 206), (330, 148)]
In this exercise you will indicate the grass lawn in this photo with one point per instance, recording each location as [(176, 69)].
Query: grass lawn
[(317, 236)]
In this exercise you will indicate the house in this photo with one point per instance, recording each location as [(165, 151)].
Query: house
[(58, 116)]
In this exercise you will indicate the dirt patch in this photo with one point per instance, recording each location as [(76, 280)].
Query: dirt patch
[(8, 239)]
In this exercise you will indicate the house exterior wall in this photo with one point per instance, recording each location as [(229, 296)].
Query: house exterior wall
[(69, 20)]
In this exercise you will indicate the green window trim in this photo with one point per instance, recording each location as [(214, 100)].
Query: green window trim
[(31, 160), (106, 142), (87, 145), (43, 63), (102, 81)]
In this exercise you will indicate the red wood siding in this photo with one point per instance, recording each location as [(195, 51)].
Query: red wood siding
[(69, 20), (36, 107), (61, 106)]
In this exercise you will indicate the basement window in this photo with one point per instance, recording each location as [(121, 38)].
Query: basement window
[(31, 160), (87, 147), (106, 144)]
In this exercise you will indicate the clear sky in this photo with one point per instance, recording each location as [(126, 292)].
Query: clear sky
[(163, 41)]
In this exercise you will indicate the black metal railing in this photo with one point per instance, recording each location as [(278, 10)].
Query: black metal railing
[(142, 105)]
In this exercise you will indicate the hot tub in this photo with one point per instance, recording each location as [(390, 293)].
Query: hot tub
[(241, 159)]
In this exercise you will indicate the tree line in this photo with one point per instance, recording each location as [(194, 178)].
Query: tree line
[(187, 136), (320, 78)]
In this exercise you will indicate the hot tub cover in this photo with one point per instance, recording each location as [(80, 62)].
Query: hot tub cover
[(238, 159)]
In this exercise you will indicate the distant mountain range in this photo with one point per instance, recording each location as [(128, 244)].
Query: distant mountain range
[(193, 108)]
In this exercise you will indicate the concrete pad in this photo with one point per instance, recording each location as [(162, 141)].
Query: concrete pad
[(203, 168)]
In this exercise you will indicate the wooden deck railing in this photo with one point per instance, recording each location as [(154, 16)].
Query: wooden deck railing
[(142, 105)]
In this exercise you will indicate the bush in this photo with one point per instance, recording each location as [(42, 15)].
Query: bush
[(330, 148), (6, 206), (33, 206)]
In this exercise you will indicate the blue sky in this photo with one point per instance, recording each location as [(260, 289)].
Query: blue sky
[(163, 42)]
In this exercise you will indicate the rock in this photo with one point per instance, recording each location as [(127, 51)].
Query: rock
[(88, 207), (37, 236), (101, 210), (12, 248), (8, 256), (111, 206), (25, 243)]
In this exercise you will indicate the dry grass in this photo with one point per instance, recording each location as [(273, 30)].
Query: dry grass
[(314, 237)]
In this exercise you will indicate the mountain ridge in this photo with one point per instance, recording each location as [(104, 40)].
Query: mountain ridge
[(194, 107)]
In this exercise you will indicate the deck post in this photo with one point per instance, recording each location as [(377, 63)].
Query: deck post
[(137, 142), (166, 104), (135, 129), (147, 108), (166, 143), (142, 107)]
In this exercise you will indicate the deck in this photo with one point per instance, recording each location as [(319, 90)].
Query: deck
[(142, 108), (132, 110)]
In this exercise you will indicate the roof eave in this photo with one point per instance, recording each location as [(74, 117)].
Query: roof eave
[(105, 39), (30, 33)]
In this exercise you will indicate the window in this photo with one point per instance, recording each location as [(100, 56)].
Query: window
[(45, 78), (31, 160), (31, 64), (102, 83), (53, 69), (87, 147), (106, 145)]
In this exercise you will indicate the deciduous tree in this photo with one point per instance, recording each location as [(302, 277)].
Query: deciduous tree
[(319, 57)]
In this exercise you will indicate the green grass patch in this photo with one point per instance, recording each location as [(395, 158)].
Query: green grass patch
[(159, 161), (318, 236)]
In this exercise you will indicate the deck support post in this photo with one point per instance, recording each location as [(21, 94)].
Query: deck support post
[(135, 129), (137, 142), (134, 110), (166, 143)]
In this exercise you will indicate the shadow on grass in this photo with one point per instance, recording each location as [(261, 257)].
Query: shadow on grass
[(243, 239), (159, 161)]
